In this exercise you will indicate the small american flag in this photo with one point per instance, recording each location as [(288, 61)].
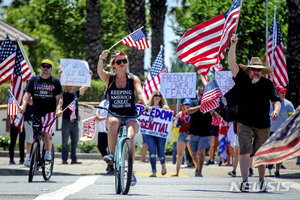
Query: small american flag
[(48, 122), (12, 105), (7, 59), (276, 57), (210, 97), (152, 82), (72, 107), (205, 44), (137, 39), (282, 145)]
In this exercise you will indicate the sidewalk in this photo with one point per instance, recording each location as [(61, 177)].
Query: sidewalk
[(92, 164)]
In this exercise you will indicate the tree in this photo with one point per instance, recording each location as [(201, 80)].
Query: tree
[(158, 10), (293, 51)]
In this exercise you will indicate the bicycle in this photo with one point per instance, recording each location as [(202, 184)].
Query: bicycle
[(123, 155)]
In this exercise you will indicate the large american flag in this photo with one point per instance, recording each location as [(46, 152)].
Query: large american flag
[(152, 82), (282, 145), (72, 107), (205, 44), (7, 59), (276, 57), (48, 122), (210, 96), (137, 39), (12, 105)]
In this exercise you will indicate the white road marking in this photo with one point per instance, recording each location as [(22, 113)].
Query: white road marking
[(292, 184), (62, 193)]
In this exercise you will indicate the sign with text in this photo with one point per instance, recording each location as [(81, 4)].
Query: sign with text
[(88, 129), (75, 72), (157, 123), (178, 85), (224, 80)]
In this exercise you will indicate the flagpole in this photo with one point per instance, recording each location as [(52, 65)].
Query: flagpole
[(123, 38), (237, 23), (267, 63), (24, 53), (69, 104)]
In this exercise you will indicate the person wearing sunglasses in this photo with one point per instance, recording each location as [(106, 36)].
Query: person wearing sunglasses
[(121, 86), (254, 94)]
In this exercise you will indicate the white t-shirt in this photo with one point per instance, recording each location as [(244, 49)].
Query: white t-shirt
[(103, 113)]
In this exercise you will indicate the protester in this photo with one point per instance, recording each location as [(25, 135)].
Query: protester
[(70, 122), (286, 110), (182, 121), (254, 94), (199, 133), (124, 83), (236, 156), (215, 122)]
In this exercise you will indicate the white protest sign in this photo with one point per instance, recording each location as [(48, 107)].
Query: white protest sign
[(178, 85), (88, 129), (75, 72), (224, 80), (157, 123)]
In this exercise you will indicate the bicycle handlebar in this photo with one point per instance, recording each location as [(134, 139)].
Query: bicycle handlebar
[(120, 116)]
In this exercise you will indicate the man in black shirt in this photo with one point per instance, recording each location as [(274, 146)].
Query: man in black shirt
[(254, 95)]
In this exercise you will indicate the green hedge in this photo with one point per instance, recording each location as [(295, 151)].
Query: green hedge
[(4, 93)]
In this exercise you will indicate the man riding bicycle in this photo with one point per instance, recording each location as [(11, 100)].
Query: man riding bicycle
[(46, 91), (120, 87)]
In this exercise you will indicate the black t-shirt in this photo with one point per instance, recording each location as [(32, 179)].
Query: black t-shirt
[(254, 100), (43, 93), (68, 98), (200, 123)]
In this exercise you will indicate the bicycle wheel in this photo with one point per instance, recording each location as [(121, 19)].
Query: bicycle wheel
[(117, 173), (33, 160), (126, 166), (47, 166)]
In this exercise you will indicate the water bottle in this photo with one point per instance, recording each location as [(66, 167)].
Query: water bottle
[(18, 119)]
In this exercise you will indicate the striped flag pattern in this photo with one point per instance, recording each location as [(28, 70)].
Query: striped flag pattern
[(152, 82), (48, 122), (276, 57), (12, 105), (7, 59), (137, 39), (205, 44), (210, 97), (72, 107), (282, 145)]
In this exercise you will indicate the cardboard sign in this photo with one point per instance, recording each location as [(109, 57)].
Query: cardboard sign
[(178, 85), (157, 123), (224, 80), (88, 129), (75, 72)]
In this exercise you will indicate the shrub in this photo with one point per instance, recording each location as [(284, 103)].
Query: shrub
[(4, 92), (88, 147), (4, 142), (59, 146), (95, 92), (169, 148)]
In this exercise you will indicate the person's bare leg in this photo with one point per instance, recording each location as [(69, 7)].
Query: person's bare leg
[(244, 165), (47, 141), (261, 172), (144, 152), (132, 129), (112, 124), (201, 159), (180, 151), (236, 157)]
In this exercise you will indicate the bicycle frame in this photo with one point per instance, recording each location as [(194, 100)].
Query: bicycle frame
[(118, 149)]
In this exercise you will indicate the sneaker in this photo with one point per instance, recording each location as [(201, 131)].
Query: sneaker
[(277, 175), (21, 162), (48, 156), (11, 162), (27, 163), (210, 162), (244, 186), (262, 186), (75, 162), (109, 158), (250, 172), (232, 173), (64, 162), (133, 180), (220, 163)]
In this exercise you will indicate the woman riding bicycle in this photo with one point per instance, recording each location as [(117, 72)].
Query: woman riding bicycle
[(120, 87)]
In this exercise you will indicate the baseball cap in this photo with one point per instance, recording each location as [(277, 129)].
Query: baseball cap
[(186, 101), (47, 61), (281, 88)]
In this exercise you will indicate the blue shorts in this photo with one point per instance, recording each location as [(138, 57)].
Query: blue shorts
[(182, 137), (127, 120), (198, 142)]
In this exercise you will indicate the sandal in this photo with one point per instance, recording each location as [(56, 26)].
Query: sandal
[(153, 175), (163, 171)]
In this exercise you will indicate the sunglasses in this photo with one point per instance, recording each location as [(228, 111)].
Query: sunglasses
[(120, 61), (46, 66), (157, 95), (201, 94), (255, 69)]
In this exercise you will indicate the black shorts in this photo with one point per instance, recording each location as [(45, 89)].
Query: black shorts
[(214, 131)]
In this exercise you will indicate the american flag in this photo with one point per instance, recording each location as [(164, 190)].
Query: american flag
[(205, 44), (282, 145), (137, 39), (7, 59), (152, 82), (12, 105), (72, 107), (48, 122), (276, 57), (210, 97), (17, 85)]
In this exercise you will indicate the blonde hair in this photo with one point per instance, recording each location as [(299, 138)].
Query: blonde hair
[(162, 103), (112, 60)]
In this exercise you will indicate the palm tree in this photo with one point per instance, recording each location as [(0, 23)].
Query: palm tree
[(93, 34), (135, 17), (158, 10), (293, 51)]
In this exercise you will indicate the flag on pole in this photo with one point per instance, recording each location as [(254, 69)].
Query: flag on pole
[(210, 97), (205, 44), (152, 82), (26, 73), (282, 145), (12, 105), (72, 107), (275, 57), (7, 59), (48, 122), (137, 39)]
